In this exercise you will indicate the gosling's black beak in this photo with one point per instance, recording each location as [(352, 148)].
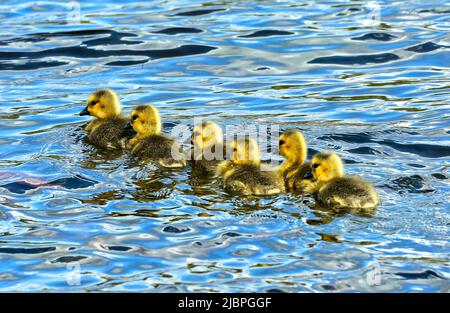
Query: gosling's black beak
[(85, 111), (129, 131), (128, 126), (308, 175)]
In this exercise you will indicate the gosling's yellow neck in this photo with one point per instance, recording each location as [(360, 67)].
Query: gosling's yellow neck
[(146, 134), (245, 152), (293, 148), (295, 159), (298, 157)]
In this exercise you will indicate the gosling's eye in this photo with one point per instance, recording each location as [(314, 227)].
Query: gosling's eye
[(134, 117), (235, 150), (92, 103), (281, 142), (315, 165)]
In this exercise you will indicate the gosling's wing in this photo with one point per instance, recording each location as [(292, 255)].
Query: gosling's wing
[(108, 134), (350, 191)]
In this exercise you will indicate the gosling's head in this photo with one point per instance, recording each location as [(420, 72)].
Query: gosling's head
[(326, 166), (292, 146), (145, 120), (245, 151), (206, 134), (102, 103)]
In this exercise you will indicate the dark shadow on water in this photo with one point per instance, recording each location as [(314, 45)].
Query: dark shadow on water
[(198, 12), (439, 176), (267, 33), (126, 63), (26, 250), (356, 60), (375, 36), (178, 30), (435, 11), (423, 150), (69, 259), (425, 47), (175, 229), (364, 150), (428, 274), (29, 65), (84, 50), (410, 184), (76, 182), (117, 248), (114, 37)]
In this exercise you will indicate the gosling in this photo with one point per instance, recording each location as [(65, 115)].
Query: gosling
[(149, 143), (107, 130), (292, 146), (334, 189), (208, 150), (243, 174)]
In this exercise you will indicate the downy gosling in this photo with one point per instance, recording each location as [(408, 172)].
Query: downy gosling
[(208, 150), (107, 130), (149, 143), (243, 174), (292, 146), (338, 190)]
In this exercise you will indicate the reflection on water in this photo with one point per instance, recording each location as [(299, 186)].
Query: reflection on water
[(375, 93)]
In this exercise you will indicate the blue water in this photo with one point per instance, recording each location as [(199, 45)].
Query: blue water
[(73, 218)]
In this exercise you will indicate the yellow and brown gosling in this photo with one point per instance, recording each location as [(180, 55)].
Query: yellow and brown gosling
[(208, 148), (149, 143), (335, 189), (294, 170), (243, 173), (107, 130)]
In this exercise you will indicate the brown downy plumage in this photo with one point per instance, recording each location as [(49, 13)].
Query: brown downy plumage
[(149, 143), (208, 150), (243, 173), (107, 130), (337, 190)]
